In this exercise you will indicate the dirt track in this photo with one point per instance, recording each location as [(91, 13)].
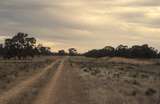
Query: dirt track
[(56, 84)]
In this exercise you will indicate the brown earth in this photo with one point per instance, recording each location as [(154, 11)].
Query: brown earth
[(120, 80), (58, 83), (80, 80)]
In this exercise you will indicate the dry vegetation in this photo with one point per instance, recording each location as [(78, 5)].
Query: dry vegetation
[(14, 71), (99, 81), (120, 80)]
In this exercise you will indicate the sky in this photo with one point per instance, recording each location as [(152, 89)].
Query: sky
[(83, 24)]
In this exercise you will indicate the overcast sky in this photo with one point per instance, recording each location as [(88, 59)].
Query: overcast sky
[(83, 24)]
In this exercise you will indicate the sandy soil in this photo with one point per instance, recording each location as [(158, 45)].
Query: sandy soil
[(12, 72), (58, 83)]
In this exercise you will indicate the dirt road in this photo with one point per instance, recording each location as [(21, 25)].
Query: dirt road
[(56, 84)]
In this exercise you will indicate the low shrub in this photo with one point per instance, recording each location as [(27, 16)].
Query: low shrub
[(150, 92)]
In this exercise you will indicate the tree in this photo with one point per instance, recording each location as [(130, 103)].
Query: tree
[(72, 51), (1, 50), (158, 55), (61, 53), (29, 47), (22, 46), (44, 50), (106, 51), (109, 51), (93, 53), (143, 51), (136, 51), (8, 48), (122, 51)]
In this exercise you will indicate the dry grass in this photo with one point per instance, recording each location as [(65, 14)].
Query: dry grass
[(14, 71), (131, 61), (121, 80)]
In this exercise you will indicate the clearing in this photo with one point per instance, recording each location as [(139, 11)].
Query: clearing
[(80, 80)]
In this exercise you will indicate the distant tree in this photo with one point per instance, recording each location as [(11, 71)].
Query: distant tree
[(29, 47), (8, 48), (109, 51), (122, 51), (44, 50), (1, 50), (135, 51), (158, 55), (143, 51), (22, 46), (72, 51), (106, 51), (92, 53), (61, 53)]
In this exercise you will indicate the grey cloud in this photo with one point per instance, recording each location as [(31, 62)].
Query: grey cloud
[(132, 16), (62, 20), (138, 18), (18, 17), (144, 3)]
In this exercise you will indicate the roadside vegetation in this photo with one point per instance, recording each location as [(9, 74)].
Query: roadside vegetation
[(22, 46), (124, 80), (136, 51), (11, 73)]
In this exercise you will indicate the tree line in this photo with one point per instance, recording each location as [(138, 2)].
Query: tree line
[(71, 52), (136, 51), (22, 46)]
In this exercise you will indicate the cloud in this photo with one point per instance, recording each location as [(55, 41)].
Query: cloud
[(144, 3), (83, 23)]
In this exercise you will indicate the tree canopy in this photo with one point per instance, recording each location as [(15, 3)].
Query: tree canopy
[(22, 46), (136, 51)]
